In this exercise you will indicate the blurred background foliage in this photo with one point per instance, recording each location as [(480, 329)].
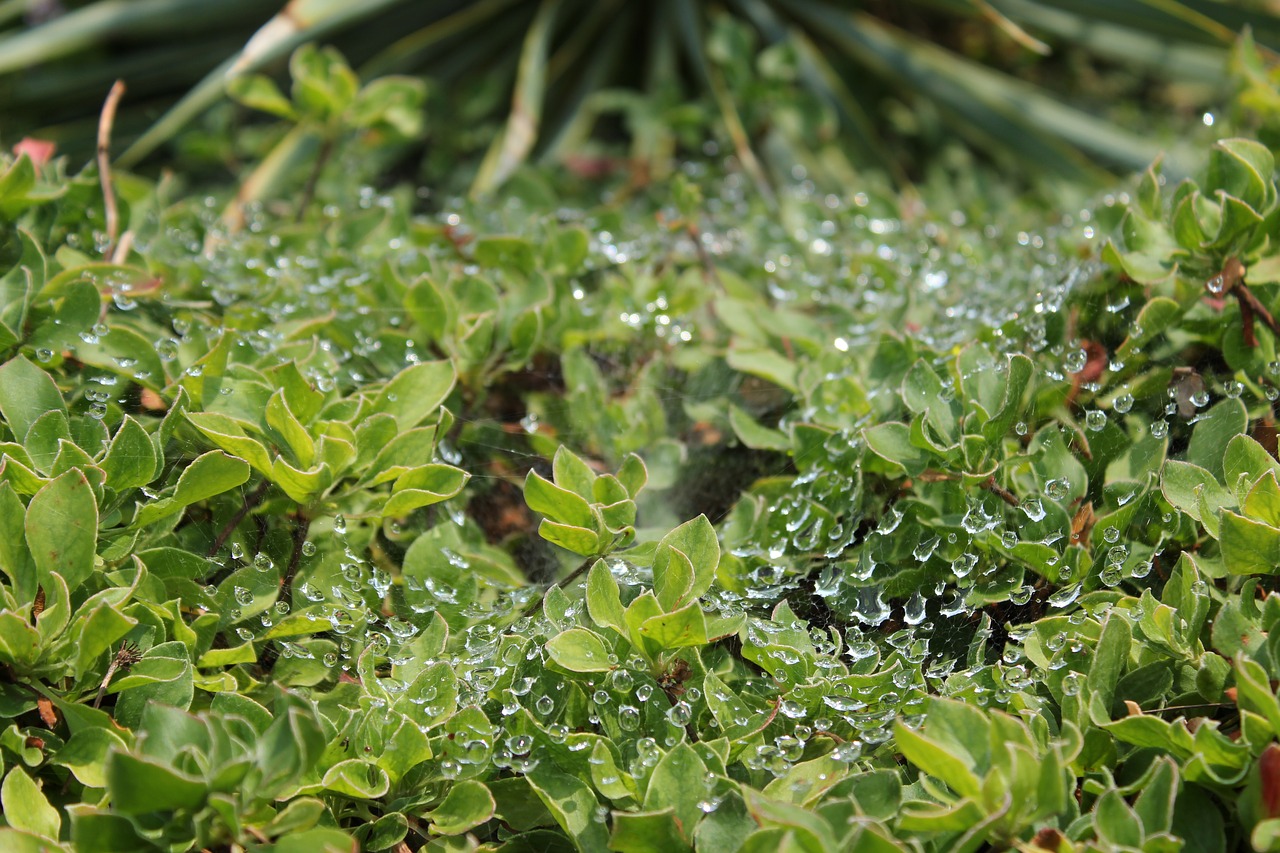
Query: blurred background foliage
[(1061, 87)]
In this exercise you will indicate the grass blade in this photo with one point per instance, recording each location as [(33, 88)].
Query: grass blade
[(513, 145)]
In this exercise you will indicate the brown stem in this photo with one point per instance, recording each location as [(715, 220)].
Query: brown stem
[(1231, 280), (309, 191), (300, 530), (533, 606), (106, 120), (252, 500), (1000, 491)]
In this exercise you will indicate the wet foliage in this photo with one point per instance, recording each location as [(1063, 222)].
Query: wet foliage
[(674, 518)]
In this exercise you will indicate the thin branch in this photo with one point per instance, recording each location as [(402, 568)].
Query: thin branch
[(1000, 491), (533, 606), (309, 191), (301, 529), (126, 657), (106, 121), (1231, 280), (251, 500)]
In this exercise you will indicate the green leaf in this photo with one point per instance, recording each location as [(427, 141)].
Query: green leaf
[(424, 486), (288, 431), (467, 805), (672, 576), (557, 503), (230, 435), (1153, 320), (431, 308), (1110, 658), (573, 805), (416, 392), (141, 786), (85, 753), (678, 629), (15, 556), (633, 475), (1246, 459), (26, 393), (695, 539), (1187, 487), (755, 436), (25, 806), (892, 442), (208, 475), (260, 93), (1213, 433), (764, 363), (679, 782), (62, 528), (579, 650), (502, 252), (1017, 376), (579, 540), (131, 460), (604, 603), (572, 473), (937, 761), (1249, 547), (642, 832), (358, 779), (324, 86)]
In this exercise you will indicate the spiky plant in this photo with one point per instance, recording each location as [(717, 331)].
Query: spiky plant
[(774, 72)]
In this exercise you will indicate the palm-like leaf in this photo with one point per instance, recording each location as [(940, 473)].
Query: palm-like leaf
[(566, 60)]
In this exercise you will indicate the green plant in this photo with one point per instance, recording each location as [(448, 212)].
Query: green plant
[(690, 519)]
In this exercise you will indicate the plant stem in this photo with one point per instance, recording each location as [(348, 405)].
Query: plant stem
[(107, 120), (252, 500), (303, 526), (532, 606), (309, 191)]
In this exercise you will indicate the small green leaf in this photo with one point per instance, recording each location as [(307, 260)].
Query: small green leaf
[(579, 650), (424, 486), (416, 392), (288, 431), (672, 577), (25, 806), (937, 761), (633, 475), (695, 539), (755, 436), (578, 540), (764, 363), (679, 783), (892, 442), (131, 460), (573, 805), (208, 475), (1110, 658), (1213, 433), (467, 805), (358, 779), (557, 503), (678, 629), (260, 93), (26, 393), (431, 308), (572, 473), (142, 786), (604, 603), (62, 528), (1249, 547)]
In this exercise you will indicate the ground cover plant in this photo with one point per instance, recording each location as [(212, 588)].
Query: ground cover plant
[(682, 519)]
